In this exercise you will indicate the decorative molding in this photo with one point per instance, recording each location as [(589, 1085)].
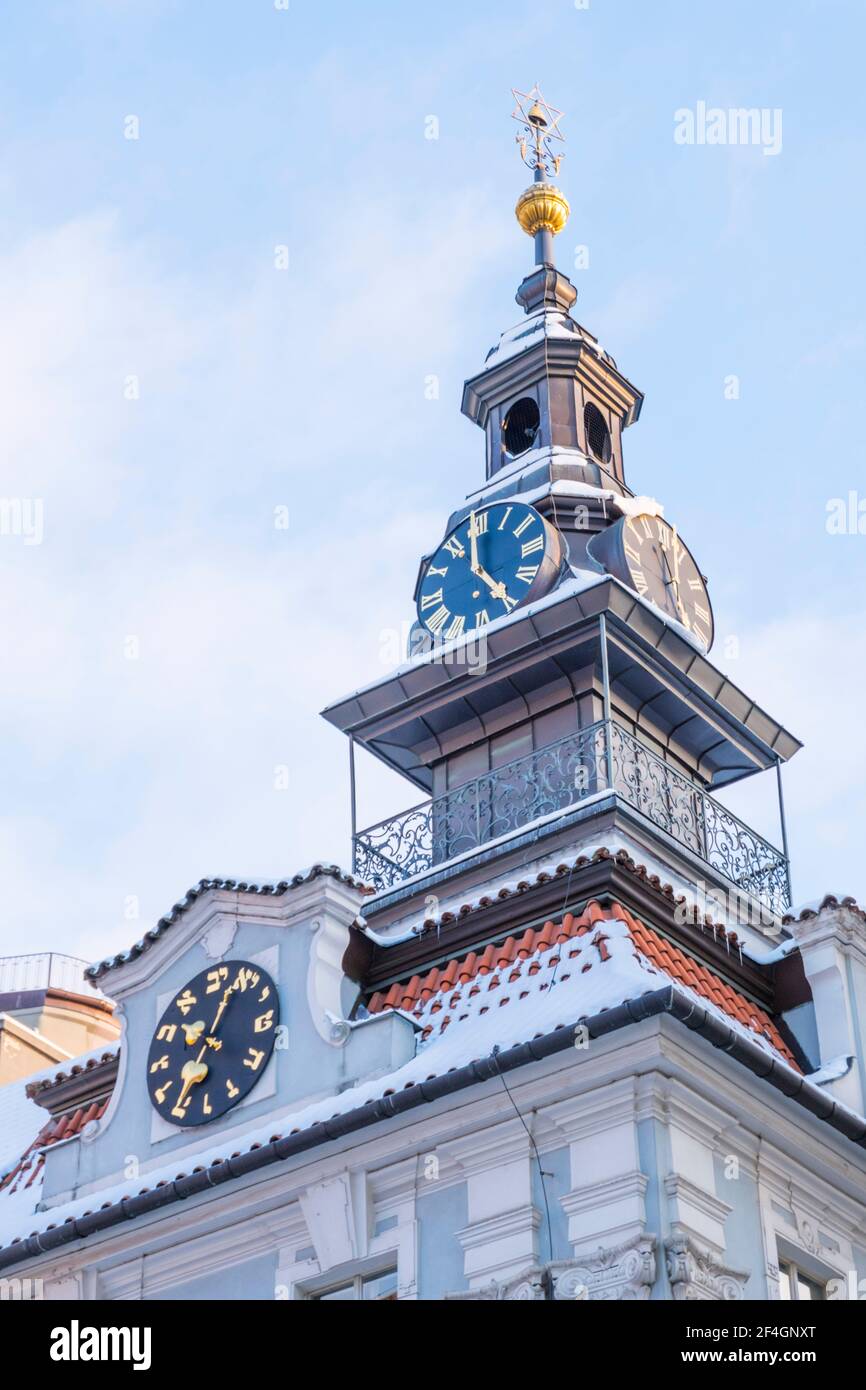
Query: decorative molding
[(693, 1208), (526, 1287), (500, 1240), (325, 975), (300, 1279), (329, 1212), (696, 1273), (218, 938), (98, 1127), (623, 1273), (610, 1211)]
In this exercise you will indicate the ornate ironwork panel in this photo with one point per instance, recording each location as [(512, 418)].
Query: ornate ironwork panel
[(553, 779), (694, 818), (507, 799)]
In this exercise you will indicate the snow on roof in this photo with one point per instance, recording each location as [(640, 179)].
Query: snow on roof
[(581, 580), (549, 993), (73, 1065), (20, 1121), (21, 1118), (816, 905), (544, 323), (207, 885)]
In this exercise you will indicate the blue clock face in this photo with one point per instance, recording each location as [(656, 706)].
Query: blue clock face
[(498, 558)]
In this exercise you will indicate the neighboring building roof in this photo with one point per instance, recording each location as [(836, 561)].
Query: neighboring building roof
[(27, 1172), (74, 1093), (42, 970), (20, 1122), (613, 974), (500, 974), (207, 885)]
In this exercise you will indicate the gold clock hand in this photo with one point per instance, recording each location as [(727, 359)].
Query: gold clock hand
[(222, 1008), (496, 587), (676, 558), (192, 1073), (673, 582), (473, 545)]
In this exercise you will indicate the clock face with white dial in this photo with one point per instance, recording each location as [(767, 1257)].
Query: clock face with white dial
[(213, 1043), (648, 554), (498, 558)]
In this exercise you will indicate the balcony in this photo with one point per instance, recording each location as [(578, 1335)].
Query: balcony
[(600, 758)]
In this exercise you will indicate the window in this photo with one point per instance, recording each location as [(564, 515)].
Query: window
[(374, 1288), (597, 433), (520, 426), (794, 1284)]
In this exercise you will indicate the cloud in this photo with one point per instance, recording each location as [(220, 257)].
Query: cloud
[(168, 647)]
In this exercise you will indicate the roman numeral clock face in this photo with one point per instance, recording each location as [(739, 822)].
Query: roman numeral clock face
[(213, 1043), (647, 553), (497, 559)]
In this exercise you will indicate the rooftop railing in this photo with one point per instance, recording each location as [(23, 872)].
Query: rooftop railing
[(601, 758), (46, 970)]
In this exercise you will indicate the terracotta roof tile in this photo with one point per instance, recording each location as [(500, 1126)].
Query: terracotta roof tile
[(501, 967), (30, 1164)]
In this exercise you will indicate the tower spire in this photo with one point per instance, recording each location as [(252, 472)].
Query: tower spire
[(542, 209)]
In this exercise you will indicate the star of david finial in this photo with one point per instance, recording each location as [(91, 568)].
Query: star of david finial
[(540, 122)]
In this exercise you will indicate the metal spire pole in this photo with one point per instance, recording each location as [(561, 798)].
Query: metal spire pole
[(785, 849)]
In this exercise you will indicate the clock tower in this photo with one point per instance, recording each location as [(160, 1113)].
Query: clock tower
[(559, 709), (309, 1099)]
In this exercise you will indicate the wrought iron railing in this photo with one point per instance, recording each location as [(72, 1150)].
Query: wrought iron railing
[(602, 757), (695, 818)]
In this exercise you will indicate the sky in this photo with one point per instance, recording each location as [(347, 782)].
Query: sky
[(231, 259)]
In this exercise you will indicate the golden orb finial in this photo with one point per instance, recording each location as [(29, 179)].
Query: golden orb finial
[(542, 207)]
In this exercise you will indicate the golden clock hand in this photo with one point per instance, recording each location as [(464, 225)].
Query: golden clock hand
[(222, 1008), (496, 587), (192, 1073), (473, 545), (193, 1032), (673, 582), (676, 558)]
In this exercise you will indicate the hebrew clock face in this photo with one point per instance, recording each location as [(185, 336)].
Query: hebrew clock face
[(497, 559), (213, 1043), (646, 553)]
